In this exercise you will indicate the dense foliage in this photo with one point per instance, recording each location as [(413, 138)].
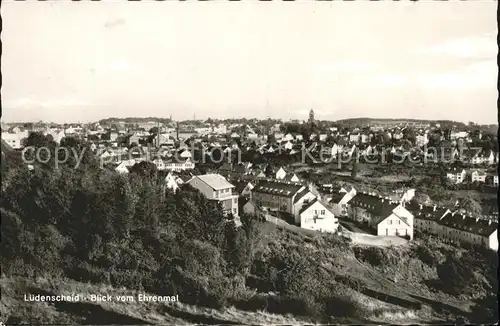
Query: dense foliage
[(95, 225)]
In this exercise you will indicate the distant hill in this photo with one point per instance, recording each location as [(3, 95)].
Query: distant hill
[(368, 121)]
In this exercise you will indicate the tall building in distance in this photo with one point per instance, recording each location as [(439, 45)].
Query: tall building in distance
[(311, 116)]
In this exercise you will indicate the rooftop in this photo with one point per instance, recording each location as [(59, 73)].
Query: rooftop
[(215, 181), (278, 188), (469, 224)]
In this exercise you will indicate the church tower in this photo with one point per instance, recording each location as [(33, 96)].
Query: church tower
[(311, 116)]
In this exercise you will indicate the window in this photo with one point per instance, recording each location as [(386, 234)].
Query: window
[(236, 200), (399, 222), (234, 210), (389, 222), (322, 212)]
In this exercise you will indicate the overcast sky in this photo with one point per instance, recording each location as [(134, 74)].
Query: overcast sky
[(82, 61)]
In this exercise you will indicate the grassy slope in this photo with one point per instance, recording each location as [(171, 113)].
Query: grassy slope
[(14, 306), (385, 302)]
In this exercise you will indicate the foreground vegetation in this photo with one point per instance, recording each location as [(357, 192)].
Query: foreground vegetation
[(65, 228)]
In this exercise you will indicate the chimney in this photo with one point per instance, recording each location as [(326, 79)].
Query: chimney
[(435, 207), (421, 206), (489, 222)]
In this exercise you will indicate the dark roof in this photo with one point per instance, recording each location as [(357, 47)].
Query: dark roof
[(226, 167), (242, 201), (284, 189), (375, 205), (240, 168), (309, 204), (469, 224), (431, 213), (301, 194), (289, 176), (336, 197), (239, 185)]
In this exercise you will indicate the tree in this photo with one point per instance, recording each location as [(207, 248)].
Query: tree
[(354, 171), (144, 169), (471, 206)]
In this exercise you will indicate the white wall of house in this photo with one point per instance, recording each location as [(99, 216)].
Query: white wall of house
[(492, 242), (230, 205), (171, 183), (394, 226), (204, 188), (280, 174), (247, 191), (318, 218), (297, 206)]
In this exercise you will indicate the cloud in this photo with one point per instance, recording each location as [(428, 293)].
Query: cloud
[(484, 45), (346, 66)]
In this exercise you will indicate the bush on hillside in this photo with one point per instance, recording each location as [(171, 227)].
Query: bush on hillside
[(429, 256)]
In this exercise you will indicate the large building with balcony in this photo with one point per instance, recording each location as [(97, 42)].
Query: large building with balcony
[(216, 187)]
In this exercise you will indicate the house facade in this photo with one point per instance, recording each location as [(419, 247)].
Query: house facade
[(385, 216), (318, 216), (281, 196), (456, 175), (216, 187)]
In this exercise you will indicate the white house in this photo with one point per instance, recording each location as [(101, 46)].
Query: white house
[(247, 191), (340, 200), (456, 175), (171, 183), (178, 165), (386, 216), (354, 137), (123, 166), (280, 174), (478, 176), (288, 145), (216, 187), (317, 216), (398, 223), (14, 140)]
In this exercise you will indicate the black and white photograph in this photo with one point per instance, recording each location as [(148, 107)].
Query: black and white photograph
[(249, 162)]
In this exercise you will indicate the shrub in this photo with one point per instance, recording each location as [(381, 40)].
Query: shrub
[(84, 272), (126, 278), (429, 256)]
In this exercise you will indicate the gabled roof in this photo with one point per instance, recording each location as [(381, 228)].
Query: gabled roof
[(300, 194), (336, 197), (469, 224), (314, 201), (375, 205), (277, 188), (215, 181)]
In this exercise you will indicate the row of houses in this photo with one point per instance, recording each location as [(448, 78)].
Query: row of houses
[(458, 176), (402, 218)]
